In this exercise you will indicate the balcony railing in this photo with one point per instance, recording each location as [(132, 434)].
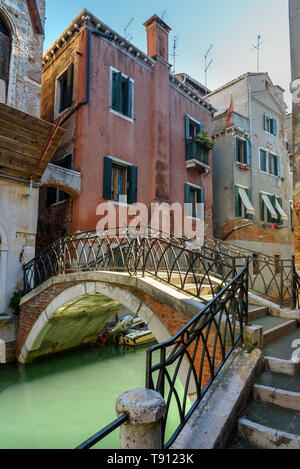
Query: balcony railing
[(197, 151)]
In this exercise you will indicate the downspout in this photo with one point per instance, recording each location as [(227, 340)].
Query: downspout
[(88, 77), (251, 140)]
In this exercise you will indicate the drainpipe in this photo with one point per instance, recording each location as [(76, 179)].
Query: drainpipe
[(251, 140), (236, 228), (88, 77)]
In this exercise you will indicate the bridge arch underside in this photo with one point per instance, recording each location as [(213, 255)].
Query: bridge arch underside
[(76, 314)]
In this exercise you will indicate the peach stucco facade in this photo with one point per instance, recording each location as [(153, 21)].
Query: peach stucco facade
[(153, 138)]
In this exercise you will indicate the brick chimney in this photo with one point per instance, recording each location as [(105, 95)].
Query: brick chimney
[(157, 38)]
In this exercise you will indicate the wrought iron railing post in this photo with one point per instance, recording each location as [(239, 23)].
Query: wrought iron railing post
[(281, 283), (294, 285)]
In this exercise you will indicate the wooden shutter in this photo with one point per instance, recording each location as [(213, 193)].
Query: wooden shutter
[(247, 152), (132, 184), (200, 200), (265, 122), (70, 81), (117, 91), (187, 200), (188, 145), (249, 216), (128, 98), (280, 220), (278, 169), (107, 179), (262, 208), (274, 126), (273, 202), (199, 128), (237, 202)]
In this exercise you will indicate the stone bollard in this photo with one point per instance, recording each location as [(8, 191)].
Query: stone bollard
[(145, 409)]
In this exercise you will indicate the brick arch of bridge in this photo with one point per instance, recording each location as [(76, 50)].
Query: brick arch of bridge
[(70, 310)]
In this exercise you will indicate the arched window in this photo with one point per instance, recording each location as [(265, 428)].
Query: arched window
[(5, 52)]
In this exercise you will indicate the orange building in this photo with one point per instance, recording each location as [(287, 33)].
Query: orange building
[(131, 127)]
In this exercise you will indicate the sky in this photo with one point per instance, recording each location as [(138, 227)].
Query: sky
[(231, 26)]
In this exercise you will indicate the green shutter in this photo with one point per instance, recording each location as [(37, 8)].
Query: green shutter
[(265, 122), (117, 91), (247, 152), (262, 208), (107, 179), (248, 215), (132, 184), (274, 126), (187, 127), (237, 202), (187, 200), (200, 201), (273, 202), (128, 98), (280, 220), (70, 81), (199, 128), (237, 152), (188, 146), (278, 169)]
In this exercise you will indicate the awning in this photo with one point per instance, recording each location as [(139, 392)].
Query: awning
[(281, 211), (245, 199), (269, 206)]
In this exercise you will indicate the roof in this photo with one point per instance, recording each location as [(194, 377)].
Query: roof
[(242, 77)]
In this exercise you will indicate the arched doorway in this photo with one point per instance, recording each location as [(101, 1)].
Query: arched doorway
[(5, 55)]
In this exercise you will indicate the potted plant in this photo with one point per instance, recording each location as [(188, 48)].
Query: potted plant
[(205, 139)]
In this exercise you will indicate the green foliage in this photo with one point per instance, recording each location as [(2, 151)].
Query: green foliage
[(15, 301), (205, 139)]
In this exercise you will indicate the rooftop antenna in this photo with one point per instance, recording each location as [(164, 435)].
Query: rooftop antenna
[(257, 47), (174, 55), (163, 14), (126, 34), (207, 65)]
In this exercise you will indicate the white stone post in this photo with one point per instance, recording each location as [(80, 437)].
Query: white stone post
[(145, 409)]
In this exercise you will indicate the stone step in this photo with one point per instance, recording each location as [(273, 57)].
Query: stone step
[(269, 426), (283, 355), (279, 397), (274, 327), (255, 312)]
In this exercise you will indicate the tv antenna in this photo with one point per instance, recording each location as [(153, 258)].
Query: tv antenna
[(207, 65), (257, 47), (174, 55), (126, 34), (163, 14)]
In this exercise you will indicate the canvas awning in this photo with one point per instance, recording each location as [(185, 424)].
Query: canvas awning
[(281, 211), (23, 140), (246, 201), (269, 206)]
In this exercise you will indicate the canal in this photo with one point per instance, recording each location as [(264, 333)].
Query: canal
[(60, 402)]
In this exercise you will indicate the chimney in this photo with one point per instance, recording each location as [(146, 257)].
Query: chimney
[(157, 38)]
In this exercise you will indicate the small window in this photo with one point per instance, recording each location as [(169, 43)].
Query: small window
[(119, 181), (270, 125), (194, 201), (268, 211), (54, 196), (242, 151), (65, 88), (122, 94), (274, 165), (263, 160), (5, 54), (243, 205)]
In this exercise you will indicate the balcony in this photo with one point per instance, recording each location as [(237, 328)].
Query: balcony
[(197, 154)]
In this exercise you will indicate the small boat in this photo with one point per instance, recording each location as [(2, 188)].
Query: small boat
[(131, 331)]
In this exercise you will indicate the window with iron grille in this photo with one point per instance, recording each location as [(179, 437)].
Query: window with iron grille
[(5, 54)]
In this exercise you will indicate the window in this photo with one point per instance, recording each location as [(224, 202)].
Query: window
[(269, 162), (65, 89), (282, 216), (263, 160), (242, 151), (268, 212), (5, 54), (270, 125), (195, 149), (122, 94), (194, 201), (119, 181), (54, 196), (243, 205)]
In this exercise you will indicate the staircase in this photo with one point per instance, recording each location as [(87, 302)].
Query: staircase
[(272, 418)]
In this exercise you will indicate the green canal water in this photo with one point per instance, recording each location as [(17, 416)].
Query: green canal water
[(60, 402)]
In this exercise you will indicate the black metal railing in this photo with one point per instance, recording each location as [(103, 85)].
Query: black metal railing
[(195, 356), (104, 432), (196, 150), (271, 277)]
